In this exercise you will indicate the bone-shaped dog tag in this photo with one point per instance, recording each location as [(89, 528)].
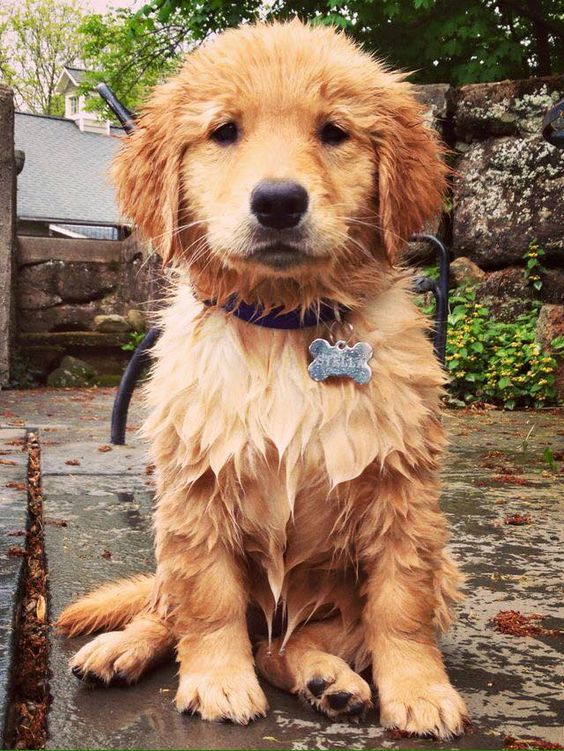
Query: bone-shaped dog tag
[(340, 360)]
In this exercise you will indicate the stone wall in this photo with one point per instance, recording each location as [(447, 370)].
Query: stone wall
[(510, 181), (81, 297), (7, 229)]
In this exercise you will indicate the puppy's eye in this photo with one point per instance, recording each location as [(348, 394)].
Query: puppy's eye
[(225, 134), (331, 135)]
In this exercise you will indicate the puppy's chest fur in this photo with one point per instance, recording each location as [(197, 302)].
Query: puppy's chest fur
[(235, 412)]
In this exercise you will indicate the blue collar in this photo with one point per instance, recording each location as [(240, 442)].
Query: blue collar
[(276, 319)]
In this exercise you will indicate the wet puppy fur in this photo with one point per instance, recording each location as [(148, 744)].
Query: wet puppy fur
[(315, 500)]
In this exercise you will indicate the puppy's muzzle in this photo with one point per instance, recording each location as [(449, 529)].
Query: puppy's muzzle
[(279, 204)]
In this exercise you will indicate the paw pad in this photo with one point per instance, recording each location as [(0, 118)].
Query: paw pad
[(339, 699), (317, 686)]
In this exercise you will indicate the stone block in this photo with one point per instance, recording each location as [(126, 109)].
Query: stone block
[(504, 108), (111, 322), (463, 272), (66, 317), (435, 97), (72, 373), (507, 193), (41, 360), (137, 320), (88, 339), (41, 249), (550, 325), (552, 290), (72, 282)]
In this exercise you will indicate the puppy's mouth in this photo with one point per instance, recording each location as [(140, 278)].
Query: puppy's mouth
[(278, 255)]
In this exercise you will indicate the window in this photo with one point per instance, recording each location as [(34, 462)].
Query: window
[(73, 105)]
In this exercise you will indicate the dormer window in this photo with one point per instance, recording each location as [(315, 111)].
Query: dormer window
[(68, 86)]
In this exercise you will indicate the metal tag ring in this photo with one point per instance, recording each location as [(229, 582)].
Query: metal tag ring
[(341, 331)]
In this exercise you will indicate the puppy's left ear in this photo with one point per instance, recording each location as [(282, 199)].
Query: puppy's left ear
[(411, 172)]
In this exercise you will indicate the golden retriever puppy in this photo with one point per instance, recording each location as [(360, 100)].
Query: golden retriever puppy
[(281, 172)]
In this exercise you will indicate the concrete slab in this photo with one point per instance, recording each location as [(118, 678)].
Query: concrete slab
[(105, 519), (495, 469), (13, 522)]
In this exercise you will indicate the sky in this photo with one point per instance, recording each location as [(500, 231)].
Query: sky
[(101, 6)]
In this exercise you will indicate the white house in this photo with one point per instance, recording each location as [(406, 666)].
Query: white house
[(68, 85), (64, 189)]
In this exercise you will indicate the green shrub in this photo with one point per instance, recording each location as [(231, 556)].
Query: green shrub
[(534, 269), (496, 362), (135, 339)]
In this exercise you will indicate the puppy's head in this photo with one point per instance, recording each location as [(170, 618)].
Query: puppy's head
[(280, 151)]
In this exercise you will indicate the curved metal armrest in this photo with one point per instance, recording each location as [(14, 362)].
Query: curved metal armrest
[(439, 289), (127, 384)]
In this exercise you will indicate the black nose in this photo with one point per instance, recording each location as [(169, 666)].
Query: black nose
[(279, 204)]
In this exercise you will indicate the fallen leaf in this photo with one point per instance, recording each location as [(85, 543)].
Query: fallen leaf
[(514, 744), (40, 608), (73, 462), (56, 522), (16, 551), (105, 448), (16, 485), (518, 520), (511, 480), (106, 554), (514, 623), (9, 462)]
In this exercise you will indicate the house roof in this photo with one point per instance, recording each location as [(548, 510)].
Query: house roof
[(77, 74), (74, 76), (65, 176)]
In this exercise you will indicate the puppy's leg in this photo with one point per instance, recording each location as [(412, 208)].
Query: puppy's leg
[(202, 589), (122, 656), (409, 583), (314, 666)]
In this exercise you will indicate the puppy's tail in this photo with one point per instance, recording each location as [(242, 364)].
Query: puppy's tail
[(109, 607)]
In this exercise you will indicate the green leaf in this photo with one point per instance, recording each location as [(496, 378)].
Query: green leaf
[(548, 456)]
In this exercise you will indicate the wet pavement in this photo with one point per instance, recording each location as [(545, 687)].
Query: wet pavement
[(97, 525)]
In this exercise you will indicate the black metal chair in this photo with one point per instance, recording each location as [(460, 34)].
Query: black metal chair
[(140, 358)]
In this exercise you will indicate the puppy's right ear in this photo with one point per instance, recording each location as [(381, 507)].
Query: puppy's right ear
[(146, 172)]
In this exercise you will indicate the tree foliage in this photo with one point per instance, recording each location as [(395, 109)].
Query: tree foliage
[(454, 41), (130, 53), (450, 41), (38, 37)]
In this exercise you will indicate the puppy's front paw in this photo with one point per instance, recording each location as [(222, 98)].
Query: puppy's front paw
[(231, 694), (419, 708), (110, 658), (332, 687)]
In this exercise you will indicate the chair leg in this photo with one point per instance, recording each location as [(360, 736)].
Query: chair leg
[(440, 291), (127, 384)]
